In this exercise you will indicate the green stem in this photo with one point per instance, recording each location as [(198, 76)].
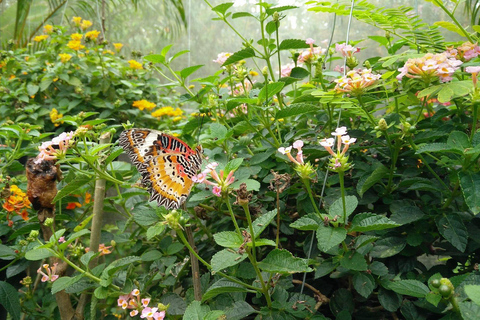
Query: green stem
[(369, 116), (459, 25), (306, 183), (475, 120), (394, 153), (341, 176), (185, 242), (232, 215)]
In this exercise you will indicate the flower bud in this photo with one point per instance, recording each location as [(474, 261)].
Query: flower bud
[(276, 16), (382, 125), (352, 62), (265, 71), (367, 64), (34, 234), (305, 171), (48, 222)]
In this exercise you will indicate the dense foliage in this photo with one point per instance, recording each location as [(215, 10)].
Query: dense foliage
[(331, 188)]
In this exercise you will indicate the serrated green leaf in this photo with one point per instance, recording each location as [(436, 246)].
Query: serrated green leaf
[(10, 300), (305, 224), (473, 292), (151, 255), (196, 311), (233, 165), (78, 182), (336, 209), (328, 237), (263, 221), (117, 264), (370, 179), (242, 14), (368, 221), (239, 310), (458, 140), (299, 73), (239, 55), (7, 253), (222, 286), (282, 261), (155, 58), (434, 147), (406, 214), (469, 310), (354, 261), (228, 239), (38, 254), (101, 293), (470, 183), (223, 7), (412, 288), (218, 131), (145, 216), (64, 282), (390, 300), (363, 283), (288, 44), (296, 109), (252, 185), (269, 91), (226, 258), (271, 27), (451, 227), (155, 230), (388, 247), (189, 70)]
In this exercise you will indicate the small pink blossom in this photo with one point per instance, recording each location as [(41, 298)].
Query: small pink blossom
[(222, 57), (221, 182), (145, 302), (309, 41), (57, 147), (283, 150), (356, 82), (61, 240), (50, 275), (217, 191), (122, 301), (346, 50), (133, 313), (286, 70), (430, 66), (473, 69), (135, 292), (340, 131)]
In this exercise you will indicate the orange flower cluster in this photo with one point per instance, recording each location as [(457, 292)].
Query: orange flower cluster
[(17, 202)]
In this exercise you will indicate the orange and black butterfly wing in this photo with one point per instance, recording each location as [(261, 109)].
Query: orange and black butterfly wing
[(167, 164)]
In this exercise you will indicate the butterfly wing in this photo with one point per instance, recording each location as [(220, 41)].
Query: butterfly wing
[(167, 164)]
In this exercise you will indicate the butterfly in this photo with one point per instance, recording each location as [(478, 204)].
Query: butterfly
[(167, 164)]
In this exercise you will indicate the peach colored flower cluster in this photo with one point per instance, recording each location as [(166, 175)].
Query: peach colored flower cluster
[(430, 67), (221, 181), (355, 82), (139, 306), (57, 147)]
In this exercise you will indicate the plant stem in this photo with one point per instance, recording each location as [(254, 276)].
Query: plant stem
[(369, 116), (459, 25), (232, 215), (306, 183), (341, 175), (475, 120)]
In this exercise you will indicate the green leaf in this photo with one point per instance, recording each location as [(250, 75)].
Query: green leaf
[(262, 222), (145, 216), (282, 261), (470, 183), (151, 255), (10, 300), (64, 282), (223, 7), (271, 27), (7, 253), (336, 209), (364, 284), (449, 26), (369, 180), (117, 264), (473, 292), (218, 132), (328, 237), (252, 185), (226, 258), (196, 311), (155, 58), (32, 89), (189, 70), (155, 230), (476, 28), (451, 227), (387, 247), (239, 55), (222, 286), (101, 293), (228, 239), (296, 109), (242, 14), (434, 147), (390, 300), (402, 214), (288, 44), (38, 254), (354, 261), (469, 310), (269, 91), (458, 140), (233, 165), (299, 73), (305, 224), (412, 288), (368, 221), (239, 310), (259, 158), (78, 182)]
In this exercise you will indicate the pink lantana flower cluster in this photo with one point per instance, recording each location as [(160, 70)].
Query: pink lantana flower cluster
[(346, 50), (430, 67), (221, 181), (474, 71), (50, 275), (465, 52), (56, 148), (222, 57), (138, 306), (339, 161), (310, 55), (304, 169), (355, 82)]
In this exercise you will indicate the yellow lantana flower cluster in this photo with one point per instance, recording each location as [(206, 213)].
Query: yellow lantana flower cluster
[(48, 28), (168, 111), (40, 38), (93, 35), (55, 117), (76, 36), (118, 46), (85, 24), (144, 104), (65, 57), (135, 65)]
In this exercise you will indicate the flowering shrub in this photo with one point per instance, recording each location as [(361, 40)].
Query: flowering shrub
[(321, 195)]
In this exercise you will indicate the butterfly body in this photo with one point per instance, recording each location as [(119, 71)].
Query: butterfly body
[(167, 164)]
